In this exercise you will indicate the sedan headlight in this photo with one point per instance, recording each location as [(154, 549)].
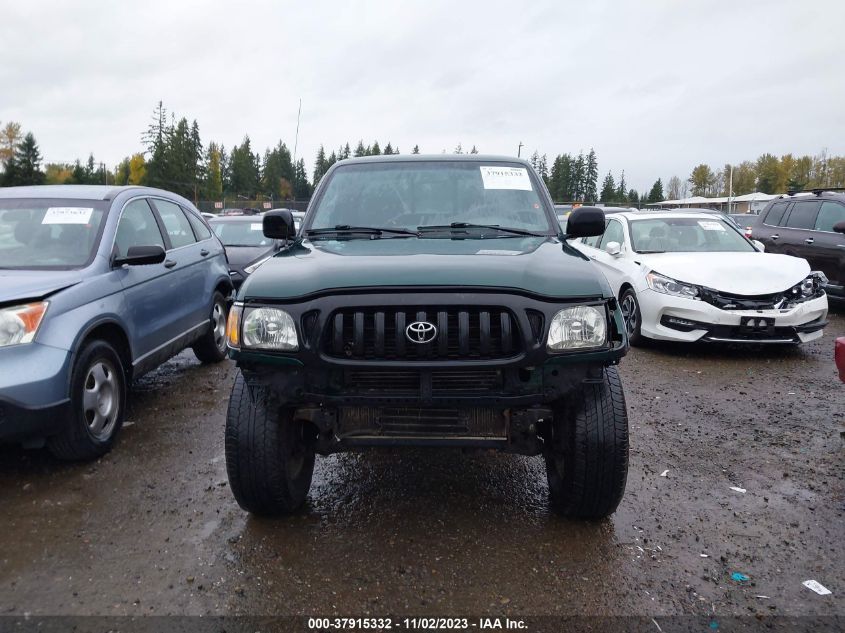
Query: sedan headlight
[(19, 324), (254, 266), (577, 328), (811, 286), (269, 328), (669, 286)]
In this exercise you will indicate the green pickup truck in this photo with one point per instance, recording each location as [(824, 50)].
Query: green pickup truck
[(428, 301)]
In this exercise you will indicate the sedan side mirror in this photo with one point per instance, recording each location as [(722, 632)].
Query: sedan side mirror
[(278, 225), (585, 222), (760, 246), (839, 227), (141, 256), (613, 248)]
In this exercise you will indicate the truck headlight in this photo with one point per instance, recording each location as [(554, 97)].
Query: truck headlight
[(19, 324), (577, 328), (269, 328), (669, 286)]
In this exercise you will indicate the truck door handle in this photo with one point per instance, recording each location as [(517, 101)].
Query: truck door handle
[(169, 263), (775, 236), (809, 240), (203, 252)]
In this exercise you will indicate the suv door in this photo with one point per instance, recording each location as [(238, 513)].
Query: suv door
[(767, 228), (150, 326), (828, 246), (796, 230), (613, 266), (187, 295)]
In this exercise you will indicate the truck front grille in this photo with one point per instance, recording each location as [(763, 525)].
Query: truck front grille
[(440, 383), (470, 332), (416, 422)]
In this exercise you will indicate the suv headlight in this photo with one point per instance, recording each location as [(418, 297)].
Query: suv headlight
[(269, 328), (669, 286), (19, 324), (577, 328)]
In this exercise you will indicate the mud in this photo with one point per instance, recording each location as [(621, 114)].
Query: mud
[(153, 529)]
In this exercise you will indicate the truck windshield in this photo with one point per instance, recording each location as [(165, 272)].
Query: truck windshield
[(49, 233), (686, 235), (442, 195)]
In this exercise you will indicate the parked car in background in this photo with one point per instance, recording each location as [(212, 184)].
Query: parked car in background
[(208, 216), (802, 225), (562, 212), (839, 357), (745, 221), (98, 285), (246, 246), (686, 276)]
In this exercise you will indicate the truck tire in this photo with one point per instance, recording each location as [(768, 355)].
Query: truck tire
[(587, 460), (211, 348), (269, 458), (97, 404)]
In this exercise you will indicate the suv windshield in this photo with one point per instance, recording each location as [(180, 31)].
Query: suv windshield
[(49, 233), (241, 233), (415, 195), (683, 235)]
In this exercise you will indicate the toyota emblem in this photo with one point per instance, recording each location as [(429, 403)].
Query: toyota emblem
[(421, 332)]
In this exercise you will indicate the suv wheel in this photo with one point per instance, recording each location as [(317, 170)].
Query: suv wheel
[(97, 400), (211, 348), (587, 460), (269, 455), (631, 316)]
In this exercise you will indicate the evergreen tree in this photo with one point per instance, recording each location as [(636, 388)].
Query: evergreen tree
[(656, 193), (388, 149), (543, 169), (416, 149), (24, 167), (360, 150), (244, 170), (608, 189), (277, 174), (121, 173), (345, 153), (301, 188), (213, 173), (320, 165), (633, 197), (534, 160), (459, 149), (375, 150), (591, 177), (474, 150), (621, 193), (579, 177)]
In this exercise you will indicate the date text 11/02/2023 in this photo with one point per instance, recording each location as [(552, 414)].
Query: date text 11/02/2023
[(387, 624)]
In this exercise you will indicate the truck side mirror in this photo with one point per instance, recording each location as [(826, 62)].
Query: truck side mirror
[(278, 225), (585, 222)]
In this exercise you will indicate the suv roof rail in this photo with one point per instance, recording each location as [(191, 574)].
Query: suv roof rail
[(816, 190)]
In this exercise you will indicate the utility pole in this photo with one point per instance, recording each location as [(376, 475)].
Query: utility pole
[(519, 150), (296, 138), (730, 188)]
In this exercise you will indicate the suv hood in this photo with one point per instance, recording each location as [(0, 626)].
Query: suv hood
[(735, 273), (21, 285), (537, 265)]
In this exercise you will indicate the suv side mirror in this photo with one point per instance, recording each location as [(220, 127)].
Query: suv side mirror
[(613, 248), (278, 225), (839, 227), (585, 222), (141, 256)]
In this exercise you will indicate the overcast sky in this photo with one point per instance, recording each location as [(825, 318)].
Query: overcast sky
[(655, 87)]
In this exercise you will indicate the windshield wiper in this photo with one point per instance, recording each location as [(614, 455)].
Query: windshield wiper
[(362, 230), (469, 225), (649, 252)]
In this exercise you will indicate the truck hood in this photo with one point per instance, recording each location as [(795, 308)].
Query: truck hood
[(240, 256), (22, 285), (537, 265), (735, 273)]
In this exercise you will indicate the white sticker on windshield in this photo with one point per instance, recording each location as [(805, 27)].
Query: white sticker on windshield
[(497, 252), (256, 226), (67, 215), (711, 225), (505, 178)]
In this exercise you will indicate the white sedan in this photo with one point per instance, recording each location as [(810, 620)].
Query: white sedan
[(687, 276)]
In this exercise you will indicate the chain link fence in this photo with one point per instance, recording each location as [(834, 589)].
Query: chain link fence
[(218, 206)]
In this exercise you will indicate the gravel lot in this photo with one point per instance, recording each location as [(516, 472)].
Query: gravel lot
[(152, 528)]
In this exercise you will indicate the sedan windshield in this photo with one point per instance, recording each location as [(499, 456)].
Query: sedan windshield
[(49, 233), (241, 233), (433, 198), (686, 235)]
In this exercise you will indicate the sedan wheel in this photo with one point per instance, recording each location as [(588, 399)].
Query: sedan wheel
[(631, 316)]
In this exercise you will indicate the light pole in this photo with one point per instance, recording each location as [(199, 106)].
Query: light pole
[(519, 150)]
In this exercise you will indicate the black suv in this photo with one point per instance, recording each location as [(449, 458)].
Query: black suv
[(808, 225), (428, 301)]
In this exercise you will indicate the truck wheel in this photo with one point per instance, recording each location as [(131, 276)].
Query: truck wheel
[(97, 401), (269, 457), (587, 460), (211, 348), (631, 316)]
